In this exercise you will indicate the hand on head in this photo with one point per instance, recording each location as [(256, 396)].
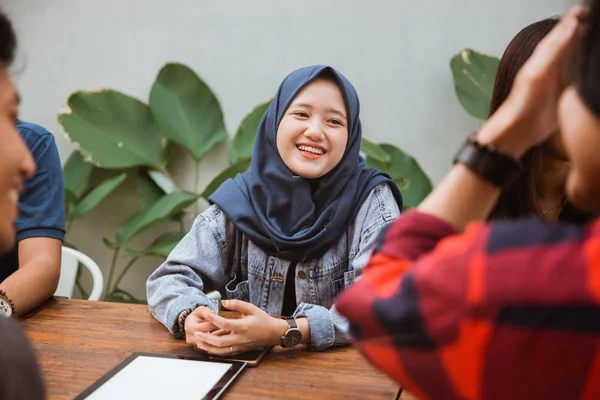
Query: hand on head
[(531, 107)]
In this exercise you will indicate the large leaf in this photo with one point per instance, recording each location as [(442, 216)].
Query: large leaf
[(161, 247), (243, 142), (147, 189), (186, 110), (76, 175), (231, 172), (113, 130), (474, 75), (96, 195), (374, 150), (163, 209), (406, 172)]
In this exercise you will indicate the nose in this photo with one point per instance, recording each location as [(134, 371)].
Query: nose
[(314, 131)]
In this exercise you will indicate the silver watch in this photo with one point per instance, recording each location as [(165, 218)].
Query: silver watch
[(292, 337), (7, 308)]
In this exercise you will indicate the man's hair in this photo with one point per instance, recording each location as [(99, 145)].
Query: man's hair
[(8, 41), (589, 72)]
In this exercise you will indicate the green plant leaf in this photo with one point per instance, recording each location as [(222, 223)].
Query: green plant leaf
[(167, 206), (474, 75), (243, 142), (76, 175), (96, 195), (163, 180), (414, 184), (121, 296), (186, 110), (148, 191), (161, 247), (230, 172), (113, 130), (374, 150)]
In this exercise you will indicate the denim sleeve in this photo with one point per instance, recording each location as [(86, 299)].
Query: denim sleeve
[(194, 267), (327, 327)]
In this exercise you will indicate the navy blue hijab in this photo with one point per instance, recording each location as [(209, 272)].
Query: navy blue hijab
[(288, 216)]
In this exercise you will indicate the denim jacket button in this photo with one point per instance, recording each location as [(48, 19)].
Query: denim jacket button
[(302, 275)]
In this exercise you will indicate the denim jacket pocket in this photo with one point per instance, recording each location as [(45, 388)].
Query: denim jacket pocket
[(339, 285), (349, 278), (237, 290)]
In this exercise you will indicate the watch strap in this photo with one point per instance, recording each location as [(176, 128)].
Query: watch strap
[(292, 324), (487, 162)]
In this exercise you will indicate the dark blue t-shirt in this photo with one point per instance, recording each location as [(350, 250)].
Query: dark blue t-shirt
[(42, 203)]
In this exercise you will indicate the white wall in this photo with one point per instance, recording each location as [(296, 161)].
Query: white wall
[(395, 52)]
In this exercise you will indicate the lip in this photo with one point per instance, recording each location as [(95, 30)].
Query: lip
[(309, 144)]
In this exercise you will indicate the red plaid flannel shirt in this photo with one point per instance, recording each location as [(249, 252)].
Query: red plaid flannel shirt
[(509, 310)]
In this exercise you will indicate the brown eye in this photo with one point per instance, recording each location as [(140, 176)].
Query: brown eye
[(336, 122), (301, 114)]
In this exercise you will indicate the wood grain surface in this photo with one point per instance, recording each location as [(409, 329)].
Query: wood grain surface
[(78, 341)]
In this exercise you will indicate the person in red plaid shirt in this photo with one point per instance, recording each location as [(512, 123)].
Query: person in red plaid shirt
[(453, 308)]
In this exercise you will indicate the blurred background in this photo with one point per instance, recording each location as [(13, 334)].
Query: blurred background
[(396, 53)]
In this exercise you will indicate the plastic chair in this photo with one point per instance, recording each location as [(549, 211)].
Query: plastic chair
[(68, 273)]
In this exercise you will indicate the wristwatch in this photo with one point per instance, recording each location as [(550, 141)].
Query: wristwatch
[(7, 307), (486, 161), (292, 336)]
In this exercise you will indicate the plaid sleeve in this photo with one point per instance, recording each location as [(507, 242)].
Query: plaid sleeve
[(507, 310)]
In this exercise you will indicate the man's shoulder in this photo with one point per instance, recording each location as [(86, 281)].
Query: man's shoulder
[(33, 134)]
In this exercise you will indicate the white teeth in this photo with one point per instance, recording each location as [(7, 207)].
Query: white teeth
[(311, 149), (14, 196)]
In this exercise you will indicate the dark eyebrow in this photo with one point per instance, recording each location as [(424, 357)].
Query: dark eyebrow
[(329, 110)]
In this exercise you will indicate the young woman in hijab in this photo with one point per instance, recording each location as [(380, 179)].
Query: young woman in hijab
[(540, 188), (287, 236)]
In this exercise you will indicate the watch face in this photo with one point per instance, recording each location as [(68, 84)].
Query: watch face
[(5, 308), (292, 337)]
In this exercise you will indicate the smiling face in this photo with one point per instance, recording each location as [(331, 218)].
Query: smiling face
[(313, 133), (16, 163)]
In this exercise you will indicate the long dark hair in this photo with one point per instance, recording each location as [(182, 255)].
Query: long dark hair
[(520, 198)]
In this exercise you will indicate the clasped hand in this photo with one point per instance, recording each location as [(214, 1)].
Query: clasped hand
[(220, 336)]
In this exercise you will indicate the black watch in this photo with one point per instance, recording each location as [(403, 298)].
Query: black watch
[(486, 161), (292, 336)]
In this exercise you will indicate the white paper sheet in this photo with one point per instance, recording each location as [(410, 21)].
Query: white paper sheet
[(152, 378)]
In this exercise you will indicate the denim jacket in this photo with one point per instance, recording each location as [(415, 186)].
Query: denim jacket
[(214, 255)]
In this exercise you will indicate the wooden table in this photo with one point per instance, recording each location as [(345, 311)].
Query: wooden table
[(78, 341)]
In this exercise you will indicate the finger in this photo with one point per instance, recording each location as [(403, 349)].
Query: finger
[(216, 340), (205, 326), (200, 310), (240, 306), (221, 332), (223, 323), (222, 351), (548, 52)]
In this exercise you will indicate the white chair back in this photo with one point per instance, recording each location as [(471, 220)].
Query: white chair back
[(68, 274)]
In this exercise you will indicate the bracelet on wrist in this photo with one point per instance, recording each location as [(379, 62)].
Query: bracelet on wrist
[(181, 320), (487, 162), (7, 307)]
